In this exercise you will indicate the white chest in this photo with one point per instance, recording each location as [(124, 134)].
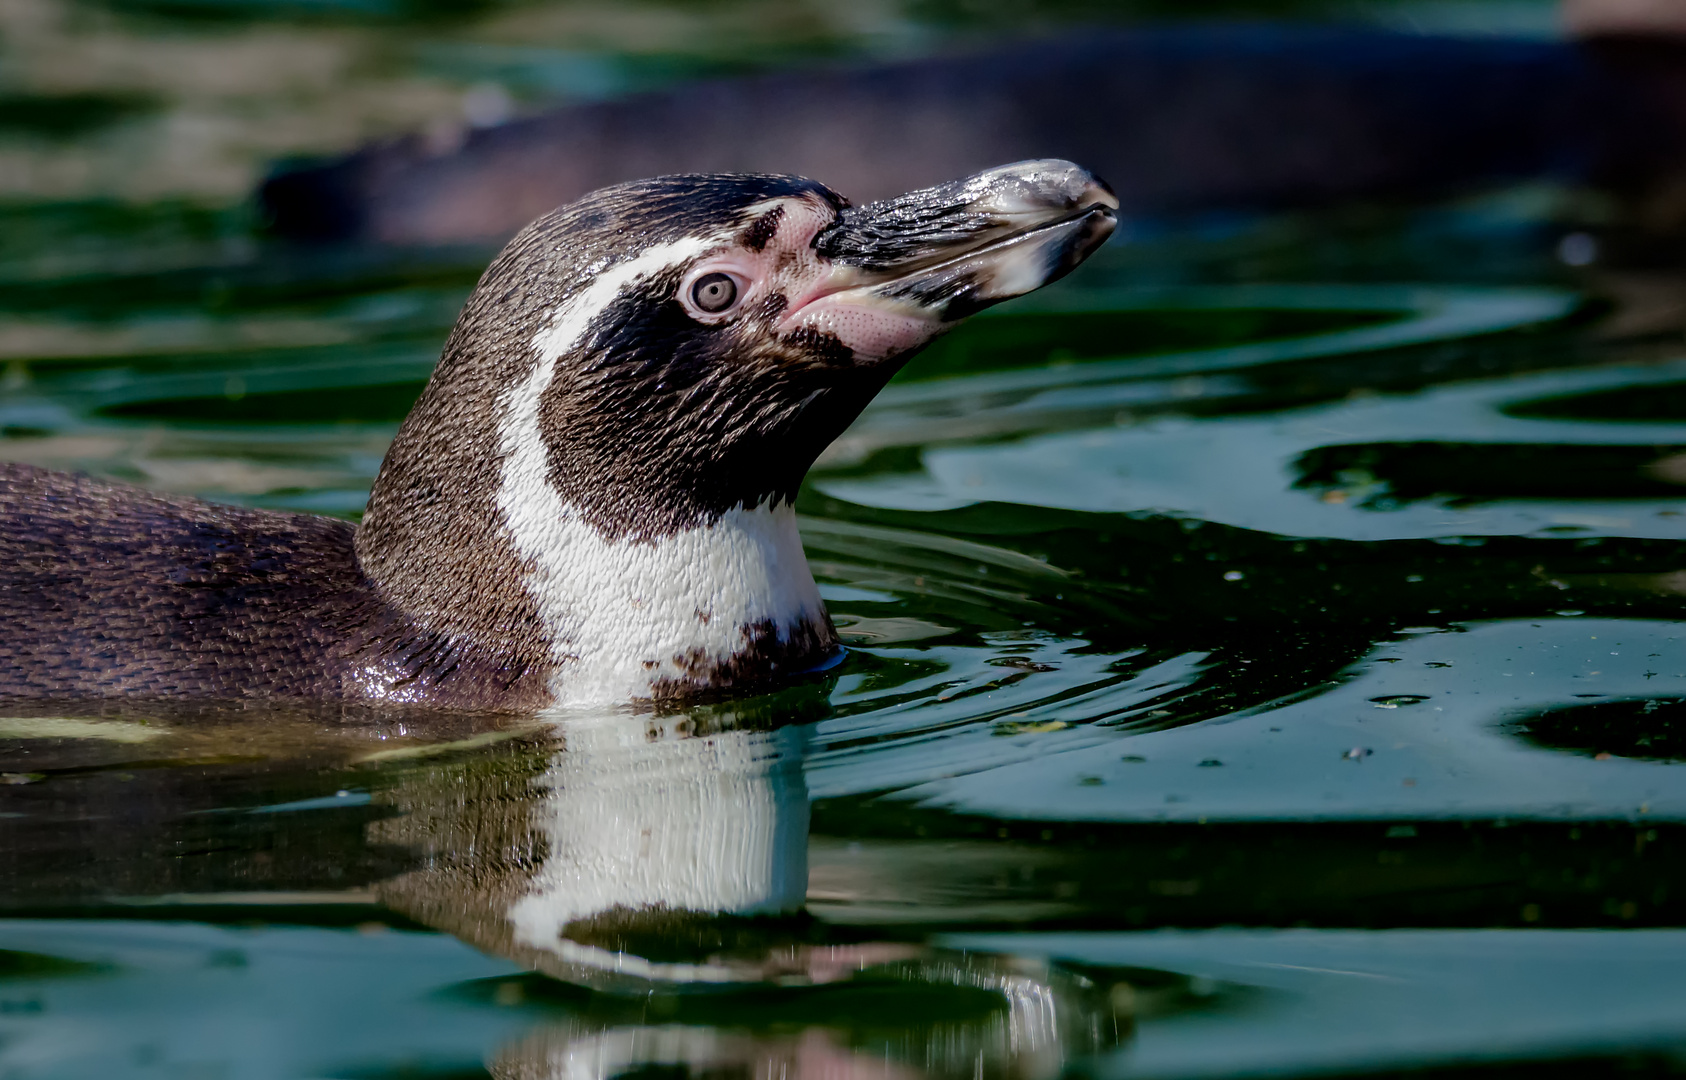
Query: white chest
[(625, 617)]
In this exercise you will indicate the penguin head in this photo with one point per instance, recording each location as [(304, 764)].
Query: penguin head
[(684, 345)]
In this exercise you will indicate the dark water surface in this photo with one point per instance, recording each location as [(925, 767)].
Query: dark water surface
[(1268, 658)]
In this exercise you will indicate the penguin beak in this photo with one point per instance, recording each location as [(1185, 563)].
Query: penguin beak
[(903, 270)]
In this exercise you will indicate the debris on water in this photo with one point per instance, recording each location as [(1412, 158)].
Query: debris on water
[(1570, 613), (1211, 763), (1028, 727), (1233, 575), (1022, 663), (1133, 759), (22, 777), (1090, 781), (1401, 832), (1357, 753), (1393, 701)]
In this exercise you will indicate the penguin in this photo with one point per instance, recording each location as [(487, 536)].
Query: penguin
[(591, 501)]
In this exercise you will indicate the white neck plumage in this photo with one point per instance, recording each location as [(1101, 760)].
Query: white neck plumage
[(635, 618)]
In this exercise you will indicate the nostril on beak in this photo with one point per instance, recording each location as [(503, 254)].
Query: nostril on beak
[(1097, 229)]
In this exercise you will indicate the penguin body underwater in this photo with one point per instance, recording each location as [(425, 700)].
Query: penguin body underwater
[(591, 500)]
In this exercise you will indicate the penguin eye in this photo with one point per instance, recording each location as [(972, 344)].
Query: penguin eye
[(714, 292)]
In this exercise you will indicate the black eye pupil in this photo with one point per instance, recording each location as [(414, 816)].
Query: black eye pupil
[(714, 292)]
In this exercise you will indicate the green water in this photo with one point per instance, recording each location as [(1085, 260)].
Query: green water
[(1265, 658)]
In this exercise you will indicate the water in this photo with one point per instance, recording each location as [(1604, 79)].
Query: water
[(1266, 659), (1258, 666)]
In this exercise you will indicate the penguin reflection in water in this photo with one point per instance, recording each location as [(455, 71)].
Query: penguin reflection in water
[(666, 860), (591, 501)]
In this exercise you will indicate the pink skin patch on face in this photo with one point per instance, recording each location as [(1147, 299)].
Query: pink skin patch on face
[(803, 291), (874, 329)]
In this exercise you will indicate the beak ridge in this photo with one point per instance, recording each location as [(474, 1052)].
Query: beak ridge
[(959, 247)]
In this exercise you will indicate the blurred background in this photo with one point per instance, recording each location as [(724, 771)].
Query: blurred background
[(193, 100)]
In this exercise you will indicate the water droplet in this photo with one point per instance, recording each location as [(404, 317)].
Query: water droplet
[(1577, 249)]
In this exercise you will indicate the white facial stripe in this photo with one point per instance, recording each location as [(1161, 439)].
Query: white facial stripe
[(572, 320), (621, 613), (755, 210)]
